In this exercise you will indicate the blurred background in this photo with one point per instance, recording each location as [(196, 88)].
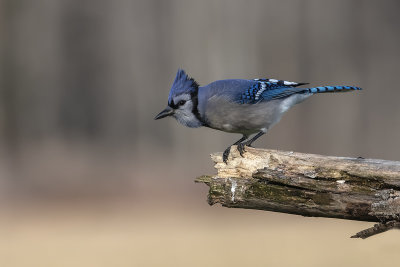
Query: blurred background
[(88, 178)]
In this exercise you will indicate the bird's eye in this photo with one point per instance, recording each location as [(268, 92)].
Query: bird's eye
[(181, 103)]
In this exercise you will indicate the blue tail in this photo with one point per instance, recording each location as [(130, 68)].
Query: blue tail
[(332, 89)]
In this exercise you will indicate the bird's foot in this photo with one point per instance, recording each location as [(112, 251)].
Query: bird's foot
[(225, 155), (241, 149)]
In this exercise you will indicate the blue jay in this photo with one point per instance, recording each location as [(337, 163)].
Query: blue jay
[(236, 106)]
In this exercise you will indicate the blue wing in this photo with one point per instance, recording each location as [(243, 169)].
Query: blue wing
[(268, 89)]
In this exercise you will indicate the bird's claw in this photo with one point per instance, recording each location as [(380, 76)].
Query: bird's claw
[(241, 149), (226, 154)]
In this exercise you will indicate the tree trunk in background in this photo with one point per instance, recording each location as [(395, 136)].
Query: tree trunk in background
[(88, 70)]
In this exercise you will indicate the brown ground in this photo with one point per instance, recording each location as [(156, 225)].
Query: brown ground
[(124, 235)]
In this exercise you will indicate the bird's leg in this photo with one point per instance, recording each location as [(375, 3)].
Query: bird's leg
[(241, 146), (228, 150)]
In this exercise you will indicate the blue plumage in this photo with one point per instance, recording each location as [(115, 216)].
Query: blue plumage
[(237, 105), (330, 89), (182, 84), (265, 90)]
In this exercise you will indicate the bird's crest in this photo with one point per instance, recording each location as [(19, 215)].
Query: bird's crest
[(183, 83)]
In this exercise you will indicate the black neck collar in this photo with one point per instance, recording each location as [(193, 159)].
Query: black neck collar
[(195, 100)]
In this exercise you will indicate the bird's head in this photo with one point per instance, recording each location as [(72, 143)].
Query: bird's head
[(182, 101)]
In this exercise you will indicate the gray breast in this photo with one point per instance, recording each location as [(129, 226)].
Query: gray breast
[(225, 115)]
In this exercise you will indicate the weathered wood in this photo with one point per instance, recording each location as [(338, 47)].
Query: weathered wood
[(377, 229), (309, 185)]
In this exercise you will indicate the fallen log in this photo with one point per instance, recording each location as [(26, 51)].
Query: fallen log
[(309, 185)]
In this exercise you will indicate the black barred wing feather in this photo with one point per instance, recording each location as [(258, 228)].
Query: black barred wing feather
[(268, 89)]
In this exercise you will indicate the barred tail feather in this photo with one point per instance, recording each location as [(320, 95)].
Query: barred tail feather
[(331, 89)]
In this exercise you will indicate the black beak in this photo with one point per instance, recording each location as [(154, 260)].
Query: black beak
[(165, 113)]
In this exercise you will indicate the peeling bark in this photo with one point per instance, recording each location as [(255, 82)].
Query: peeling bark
[(309, 185)]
